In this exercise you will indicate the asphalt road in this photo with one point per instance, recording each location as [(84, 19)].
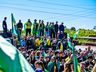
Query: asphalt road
[(83, 47)]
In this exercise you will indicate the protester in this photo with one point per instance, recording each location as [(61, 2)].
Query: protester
[(42, 26), (47, 29), (4, 25), (38, 66), (54, 56), (56, 28), (61, 27), (35, 28), (19, 29), (50, 53), (28, 26)]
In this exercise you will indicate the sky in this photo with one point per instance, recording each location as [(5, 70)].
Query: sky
[(74, 13)]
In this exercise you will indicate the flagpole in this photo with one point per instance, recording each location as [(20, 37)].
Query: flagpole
[(12, 22)]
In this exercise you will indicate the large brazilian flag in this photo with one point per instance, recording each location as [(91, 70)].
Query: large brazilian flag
[(11, 60)]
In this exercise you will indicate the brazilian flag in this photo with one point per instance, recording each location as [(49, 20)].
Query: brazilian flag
[(11, 60), (75, 61), (13, 24)]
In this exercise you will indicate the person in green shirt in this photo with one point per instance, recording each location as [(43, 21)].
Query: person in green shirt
[(52, 34), (47, 29), (35, 28), (39, 29)]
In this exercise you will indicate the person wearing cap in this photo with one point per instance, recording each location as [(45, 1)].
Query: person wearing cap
[(28, 26), (4, 25)]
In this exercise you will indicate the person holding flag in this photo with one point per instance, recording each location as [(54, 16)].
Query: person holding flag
[(28, 26), (75, 60)]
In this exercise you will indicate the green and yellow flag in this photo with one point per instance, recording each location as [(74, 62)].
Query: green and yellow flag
[(75, 61), (76, 64), (75, 34), (13, 24), (69, 42), (11, 60)]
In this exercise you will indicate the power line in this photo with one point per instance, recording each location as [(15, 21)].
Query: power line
[(45, 7), (34, 6), (49, 18), (31, 10), (49, 8), (44, 2)]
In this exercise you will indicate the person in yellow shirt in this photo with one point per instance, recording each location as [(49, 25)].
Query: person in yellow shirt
[(48, 42), (28, 26), (37, 42)]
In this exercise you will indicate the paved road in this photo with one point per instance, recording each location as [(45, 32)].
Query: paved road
[(83, 47)]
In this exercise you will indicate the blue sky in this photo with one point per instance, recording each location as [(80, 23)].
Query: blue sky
[(74, 13)]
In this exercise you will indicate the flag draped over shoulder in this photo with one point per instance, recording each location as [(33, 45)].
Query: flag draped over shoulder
[(11, 60), (75, 61), (13, 24)]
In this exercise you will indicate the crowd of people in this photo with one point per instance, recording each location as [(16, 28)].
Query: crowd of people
[(45, 53), (46, 49), (37, 28)]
